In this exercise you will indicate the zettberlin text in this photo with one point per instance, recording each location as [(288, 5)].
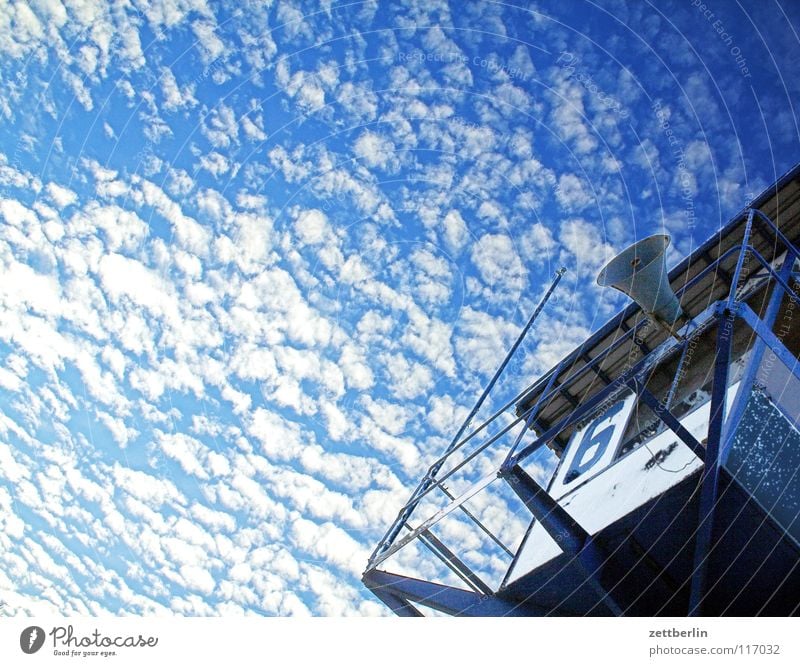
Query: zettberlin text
[(694, 632)]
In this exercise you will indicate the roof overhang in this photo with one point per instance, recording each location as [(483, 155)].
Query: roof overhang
[(780, 202)]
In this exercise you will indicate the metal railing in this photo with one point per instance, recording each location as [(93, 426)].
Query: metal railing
[(534, 497)]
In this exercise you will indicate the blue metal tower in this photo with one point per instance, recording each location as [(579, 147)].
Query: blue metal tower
[(677, 488)]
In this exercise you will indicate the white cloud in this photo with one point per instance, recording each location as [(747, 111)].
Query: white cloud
[(357, 100), (495, 256), (481, 340), (221, 127), (311, 227), (336, 421), (357, 372), (123, 277), (211, 46), (291, 19), (376, 150), (61, 196), (330, 543), (149, 489), (569, 118), (215, 163), (538, 245), (455, 231), (42, 293), (123, 229), (197, 578), (252, 241), (444, 415), (253, 127), (588, 250), (175, 97), (189, 452), (573, 194), (407, 379), (305, 88), (189, 234)]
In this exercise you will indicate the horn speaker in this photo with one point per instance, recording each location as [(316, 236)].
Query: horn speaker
[(640, 271)]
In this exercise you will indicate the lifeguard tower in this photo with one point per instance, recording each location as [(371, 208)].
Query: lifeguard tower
[(676, 426)]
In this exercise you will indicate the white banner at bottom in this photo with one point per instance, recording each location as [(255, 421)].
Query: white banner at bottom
[(389, 642)]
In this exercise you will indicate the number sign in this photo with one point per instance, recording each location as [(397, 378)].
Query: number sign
[(592, 447)]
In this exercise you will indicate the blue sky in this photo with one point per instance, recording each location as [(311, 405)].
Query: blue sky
[(258, 259)]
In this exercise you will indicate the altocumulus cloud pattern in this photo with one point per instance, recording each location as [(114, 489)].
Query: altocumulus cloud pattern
[(258, 258)]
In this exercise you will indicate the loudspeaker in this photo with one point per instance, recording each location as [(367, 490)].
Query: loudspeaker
[(640, 271)]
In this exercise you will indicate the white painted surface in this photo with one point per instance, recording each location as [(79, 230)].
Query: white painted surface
[(626, 485)]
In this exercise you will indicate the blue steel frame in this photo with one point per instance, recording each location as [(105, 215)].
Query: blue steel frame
[(398, 591)]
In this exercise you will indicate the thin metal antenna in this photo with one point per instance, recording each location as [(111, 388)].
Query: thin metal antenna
[(429, 479)]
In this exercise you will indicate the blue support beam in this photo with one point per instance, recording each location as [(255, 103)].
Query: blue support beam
[(716, 445), (562, 527), (401, 593), (775, 276), (443, 598), (661, 411), (396, 604), (757, 353), (720, 434), (441, 557), (753, 216), (790, 248), (564, 530), (773, 342), (478, 522), (710, 478), (737, 273)]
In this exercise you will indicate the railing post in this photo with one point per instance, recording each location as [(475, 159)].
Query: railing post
[(710, 477), (740, 261)]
